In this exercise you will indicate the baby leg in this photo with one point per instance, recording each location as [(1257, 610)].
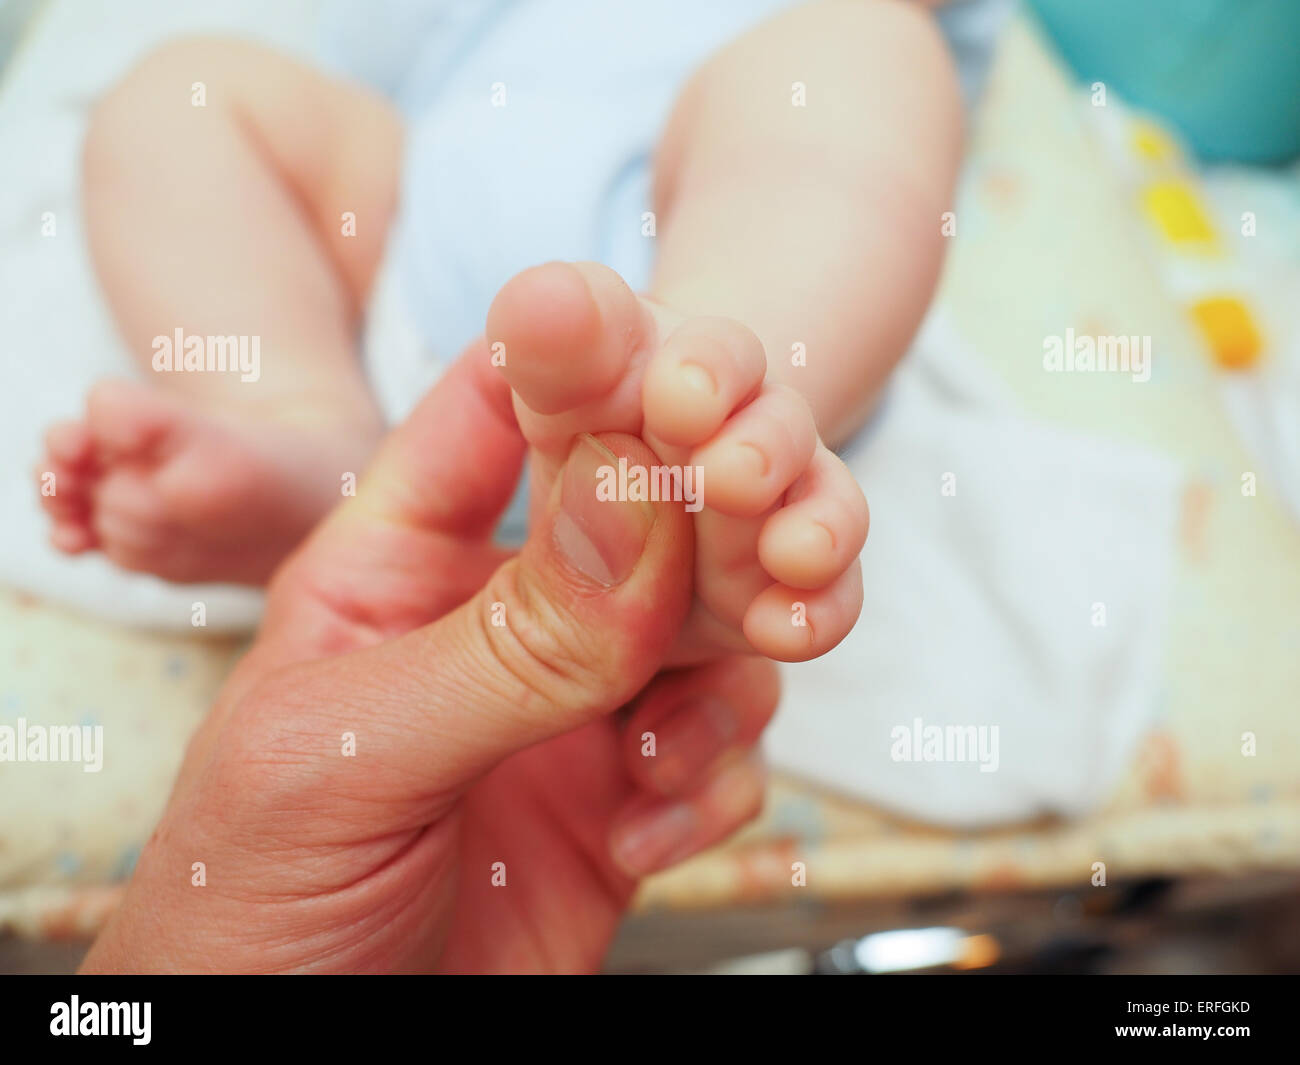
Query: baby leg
[(800, 187), (230, 192)]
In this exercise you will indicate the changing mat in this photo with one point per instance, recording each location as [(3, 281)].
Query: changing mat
[(1045, 238)]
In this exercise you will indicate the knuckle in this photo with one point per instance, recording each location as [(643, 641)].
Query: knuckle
[(277, 735), (551, 658)]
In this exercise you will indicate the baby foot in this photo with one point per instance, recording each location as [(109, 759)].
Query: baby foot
[(783, 521), (162, 487)]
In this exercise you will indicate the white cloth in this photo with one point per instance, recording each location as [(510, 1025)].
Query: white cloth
[(981, 607)]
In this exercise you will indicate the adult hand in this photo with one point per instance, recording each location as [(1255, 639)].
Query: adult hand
[(419, 764)]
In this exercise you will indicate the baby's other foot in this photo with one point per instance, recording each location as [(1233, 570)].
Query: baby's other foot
[(160, 486), (782, 519)]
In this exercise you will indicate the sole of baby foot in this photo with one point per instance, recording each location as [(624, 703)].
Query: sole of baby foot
[(161, 486)]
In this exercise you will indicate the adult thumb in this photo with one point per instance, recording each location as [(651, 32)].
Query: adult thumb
[(568, 630)]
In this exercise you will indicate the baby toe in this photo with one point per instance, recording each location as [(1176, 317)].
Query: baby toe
[(60, 488), (820, 531), (758, 454), (795, 625), (70, 443), (705, 370), (71, 538)]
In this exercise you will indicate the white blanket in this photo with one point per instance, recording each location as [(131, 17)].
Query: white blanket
[(1016, 576)]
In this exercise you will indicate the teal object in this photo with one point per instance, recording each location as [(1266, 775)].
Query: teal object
[(1224, 73)]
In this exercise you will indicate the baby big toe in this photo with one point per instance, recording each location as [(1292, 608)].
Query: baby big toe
[(129, 420), (564, 334)]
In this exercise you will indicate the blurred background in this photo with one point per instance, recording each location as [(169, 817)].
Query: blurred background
[(1104, 570)]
